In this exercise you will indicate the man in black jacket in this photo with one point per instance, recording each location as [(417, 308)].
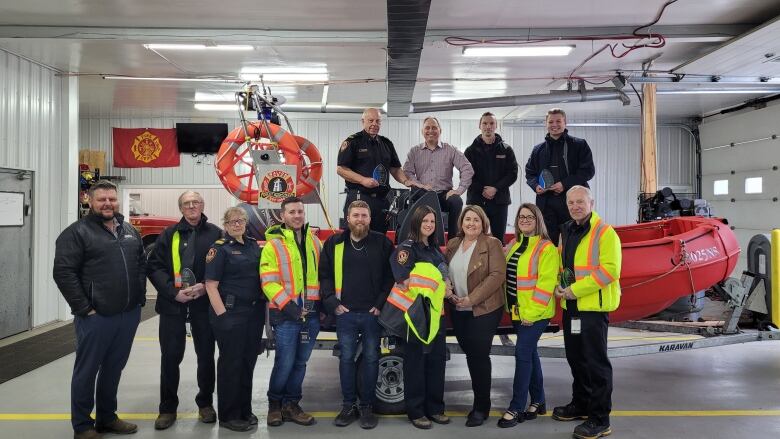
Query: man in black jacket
[(495, 170), (180, 250), (100, 269), (355, 280), (569, 162)]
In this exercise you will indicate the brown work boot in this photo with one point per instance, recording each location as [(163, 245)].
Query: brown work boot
[(164, 421), (87, 434), (274, 413), (117, 426), (291, 411), (207, 415)]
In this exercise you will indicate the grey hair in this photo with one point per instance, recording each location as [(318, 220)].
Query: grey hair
[(580, 188), (185, 193)]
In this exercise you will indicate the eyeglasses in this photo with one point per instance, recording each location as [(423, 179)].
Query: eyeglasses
[(236, 222), (190, 204), (523, 218)]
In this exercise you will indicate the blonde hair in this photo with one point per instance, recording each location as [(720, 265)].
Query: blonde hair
[(232, 211)]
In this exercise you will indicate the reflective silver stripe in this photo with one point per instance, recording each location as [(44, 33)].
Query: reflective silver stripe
[(284, 268), (305, 146), (533, 272), (312, 293), (271, 278), (602, 277), (399, 299), (541, 297), (424, 282), (594, 253), (526, 284), (579, 274)]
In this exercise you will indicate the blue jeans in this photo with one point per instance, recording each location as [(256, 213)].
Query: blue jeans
[(348, 326), (528, 368), (290, 359)]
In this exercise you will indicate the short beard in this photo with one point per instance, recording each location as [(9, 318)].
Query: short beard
[(103, 217), (358, 231)]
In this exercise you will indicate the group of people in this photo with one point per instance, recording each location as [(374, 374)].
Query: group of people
[(487, 169), (222, 282)]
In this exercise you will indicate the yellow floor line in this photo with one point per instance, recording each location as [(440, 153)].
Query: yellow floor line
[(331, 414), (615, 338)]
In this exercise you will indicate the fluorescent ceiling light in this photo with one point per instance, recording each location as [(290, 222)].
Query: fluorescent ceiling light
[(216, 107), (233, 47), (285, 69), (285, 77), (143, 78), (518, 51), (214, 97)]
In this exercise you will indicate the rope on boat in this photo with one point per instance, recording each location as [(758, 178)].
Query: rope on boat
[(685, 259)]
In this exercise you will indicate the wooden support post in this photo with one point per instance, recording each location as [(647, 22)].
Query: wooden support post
[(648, 172)]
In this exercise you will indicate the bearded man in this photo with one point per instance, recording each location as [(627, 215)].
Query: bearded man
[(355, 280)]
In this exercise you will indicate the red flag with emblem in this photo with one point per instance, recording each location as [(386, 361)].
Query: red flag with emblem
[(145, 148)]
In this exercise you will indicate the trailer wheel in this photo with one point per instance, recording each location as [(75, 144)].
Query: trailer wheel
[(389, 384)]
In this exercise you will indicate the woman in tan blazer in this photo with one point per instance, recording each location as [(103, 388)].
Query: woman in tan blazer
[(477, 272)]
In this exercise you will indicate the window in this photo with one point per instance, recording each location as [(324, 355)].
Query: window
[(720, 187), (753, 185)]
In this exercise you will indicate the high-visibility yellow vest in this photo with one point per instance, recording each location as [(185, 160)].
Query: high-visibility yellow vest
[(176, 260), (281, 276), (424, 280), (597, 263), (338, 260), (537, 275)]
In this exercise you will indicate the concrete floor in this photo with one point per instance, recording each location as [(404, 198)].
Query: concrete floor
[(724, 392)]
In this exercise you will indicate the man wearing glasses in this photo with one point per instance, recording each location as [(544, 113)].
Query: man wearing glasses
[(176, 268)]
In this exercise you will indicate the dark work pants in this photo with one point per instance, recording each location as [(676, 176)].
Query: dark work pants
[(475, 337), (238, 333), (589, 363), (102, 348), (378, 206), (424, 376), (452, 205), (173, 340), (555, 214), (496, 214)]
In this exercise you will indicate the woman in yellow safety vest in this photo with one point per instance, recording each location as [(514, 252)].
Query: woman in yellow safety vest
[(417, 265), (532, 270)]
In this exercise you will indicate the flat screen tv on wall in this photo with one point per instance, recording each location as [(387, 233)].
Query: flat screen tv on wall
[(200, 138)]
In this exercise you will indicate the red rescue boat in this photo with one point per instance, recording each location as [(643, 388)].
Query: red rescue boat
[(668, 259)]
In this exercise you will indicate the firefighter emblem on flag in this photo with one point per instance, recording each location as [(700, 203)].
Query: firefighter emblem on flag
[(146, 147)]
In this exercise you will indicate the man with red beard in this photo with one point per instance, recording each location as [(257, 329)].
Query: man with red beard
[(355, 280)]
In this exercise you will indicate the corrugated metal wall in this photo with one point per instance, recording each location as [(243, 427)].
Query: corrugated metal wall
[(33, 115), (163, 202), (615, 150)]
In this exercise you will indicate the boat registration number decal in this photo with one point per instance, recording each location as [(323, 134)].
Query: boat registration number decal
[(705, 254)]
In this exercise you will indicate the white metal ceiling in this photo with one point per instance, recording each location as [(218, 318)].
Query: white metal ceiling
[(349, 37)]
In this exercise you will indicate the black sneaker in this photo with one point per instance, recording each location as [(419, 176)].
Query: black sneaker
[(568, 412), (368, 419), (591, 430), (346, 416)]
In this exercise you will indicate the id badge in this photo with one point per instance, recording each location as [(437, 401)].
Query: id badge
[(515, 312), (576, 328), (305, 335)]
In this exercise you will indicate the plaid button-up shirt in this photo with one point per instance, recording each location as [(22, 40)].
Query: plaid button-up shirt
[(434, 167)]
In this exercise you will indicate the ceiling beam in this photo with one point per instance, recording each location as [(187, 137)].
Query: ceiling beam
[(191, 35), (695, 33), (406, 24)]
